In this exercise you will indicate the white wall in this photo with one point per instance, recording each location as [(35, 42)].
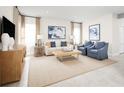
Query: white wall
[(15, 21), (115, 36), (108, 31), (6, 11), (121, 34), (45, 22)]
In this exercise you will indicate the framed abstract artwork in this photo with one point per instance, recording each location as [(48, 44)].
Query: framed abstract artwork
[(56, 32), (94, 32)]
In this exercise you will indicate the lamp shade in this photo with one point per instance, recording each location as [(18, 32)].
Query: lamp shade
[(71, 36)]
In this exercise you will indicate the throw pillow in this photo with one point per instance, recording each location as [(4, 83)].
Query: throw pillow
[(53, 44), (63, 43), (48, 44)]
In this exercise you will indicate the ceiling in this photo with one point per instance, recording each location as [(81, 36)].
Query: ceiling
[(71, 13)]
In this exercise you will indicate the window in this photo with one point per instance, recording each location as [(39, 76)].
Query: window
[(77, 33), (30, 32)]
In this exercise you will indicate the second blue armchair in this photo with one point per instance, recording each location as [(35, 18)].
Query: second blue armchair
[(98, 50)]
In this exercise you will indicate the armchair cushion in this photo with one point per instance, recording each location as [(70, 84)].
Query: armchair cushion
[(99, 45)]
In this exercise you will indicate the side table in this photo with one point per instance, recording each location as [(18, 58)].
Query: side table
[(38, 51)]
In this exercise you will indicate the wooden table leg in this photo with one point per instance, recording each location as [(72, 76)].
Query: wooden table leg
[(60, 58)]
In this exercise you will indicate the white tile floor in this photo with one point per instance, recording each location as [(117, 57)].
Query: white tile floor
[(112, 75)]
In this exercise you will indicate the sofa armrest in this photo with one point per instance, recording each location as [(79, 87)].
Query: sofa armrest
[(89, 46), (80, 46), (103, 52)]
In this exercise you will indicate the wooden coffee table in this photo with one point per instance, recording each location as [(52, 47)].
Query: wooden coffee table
[(60, 54)]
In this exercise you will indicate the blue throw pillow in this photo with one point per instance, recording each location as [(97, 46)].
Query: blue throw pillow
[(63, 43), (53, 44)]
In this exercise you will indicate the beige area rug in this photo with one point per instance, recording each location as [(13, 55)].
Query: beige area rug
[(45, 71)]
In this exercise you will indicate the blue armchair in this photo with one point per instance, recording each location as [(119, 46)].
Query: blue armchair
[(83, 48), (98, 51)]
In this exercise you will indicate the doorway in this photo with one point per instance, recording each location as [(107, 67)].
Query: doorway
[(121, 35)]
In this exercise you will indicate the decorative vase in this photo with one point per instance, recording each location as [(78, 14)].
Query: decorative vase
[(11, 43), (5, 41)]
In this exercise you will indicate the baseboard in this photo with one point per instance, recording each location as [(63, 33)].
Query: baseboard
[(114, 54)]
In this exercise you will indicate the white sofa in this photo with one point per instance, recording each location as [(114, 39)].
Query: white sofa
[(50, 50)]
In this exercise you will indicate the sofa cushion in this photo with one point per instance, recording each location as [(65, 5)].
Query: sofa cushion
[(53, 44), (63, 43), (99, 45)]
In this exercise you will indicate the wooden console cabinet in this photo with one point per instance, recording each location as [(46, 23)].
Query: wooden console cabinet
[(11, 65)]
